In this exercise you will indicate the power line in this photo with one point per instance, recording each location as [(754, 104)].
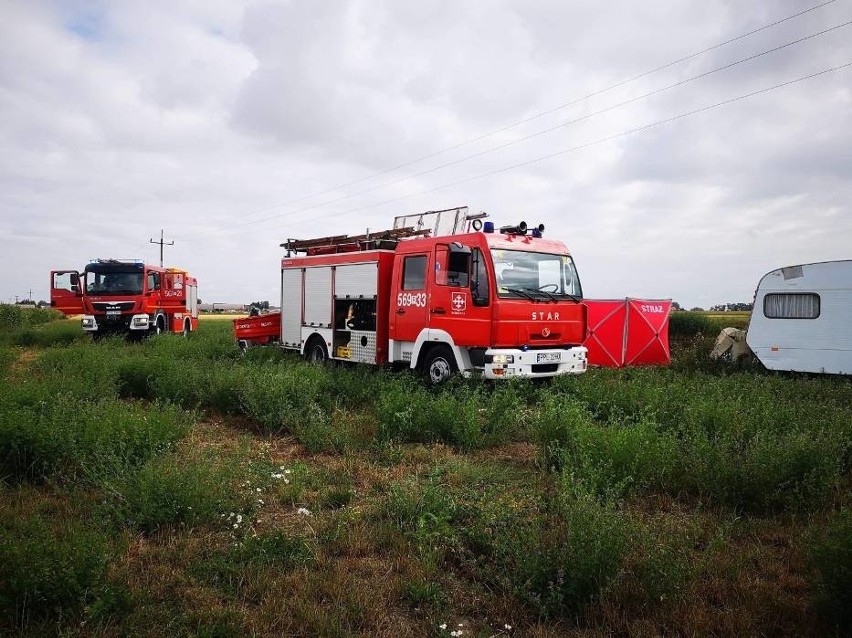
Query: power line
[(530, 118), (551, 129), (602, 140)]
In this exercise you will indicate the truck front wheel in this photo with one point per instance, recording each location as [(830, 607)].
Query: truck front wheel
[(439, 365)]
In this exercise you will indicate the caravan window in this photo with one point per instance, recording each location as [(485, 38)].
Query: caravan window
[(791, 305)]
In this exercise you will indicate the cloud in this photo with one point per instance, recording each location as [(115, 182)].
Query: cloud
[(233, 125)]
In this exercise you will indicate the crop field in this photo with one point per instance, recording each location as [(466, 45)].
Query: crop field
[(175, 488)]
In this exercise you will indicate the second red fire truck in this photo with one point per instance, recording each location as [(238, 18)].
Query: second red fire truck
[(116, 296), (497, 303)]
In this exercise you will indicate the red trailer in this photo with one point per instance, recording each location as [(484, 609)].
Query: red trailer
[(258, 330)]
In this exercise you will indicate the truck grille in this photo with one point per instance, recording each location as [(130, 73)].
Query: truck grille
[(112, 306)]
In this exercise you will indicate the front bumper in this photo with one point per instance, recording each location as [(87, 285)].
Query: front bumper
[(504, 363), (116, 323)]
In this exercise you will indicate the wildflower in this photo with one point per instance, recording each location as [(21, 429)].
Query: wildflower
[(236, 525), (303, 511), (508, 627), (258, 490), (239, 518), (442, 626), (260, 500)]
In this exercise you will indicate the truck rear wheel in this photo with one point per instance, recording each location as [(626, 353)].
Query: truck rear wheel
[(186, 328), (439, 365), (316, 352)]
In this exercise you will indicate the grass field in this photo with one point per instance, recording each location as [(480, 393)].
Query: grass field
[(175, 488)]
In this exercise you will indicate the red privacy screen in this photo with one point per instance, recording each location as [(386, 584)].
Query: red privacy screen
[(628, 332)]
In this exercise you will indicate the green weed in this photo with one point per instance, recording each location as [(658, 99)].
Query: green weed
[(829, 551), (173, 491), (49, 568), (70, 438)]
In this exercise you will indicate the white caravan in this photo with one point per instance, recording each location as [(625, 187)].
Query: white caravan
[(802, 318)]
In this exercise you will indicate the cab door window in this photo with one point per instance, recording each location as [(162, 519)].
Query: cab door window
[(452, 266), (414, 272), (65, 281)]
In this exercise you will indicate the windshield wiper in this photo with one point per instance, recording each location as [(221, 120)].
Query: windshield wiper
[(520, 291), (573, 298), (549, 295)]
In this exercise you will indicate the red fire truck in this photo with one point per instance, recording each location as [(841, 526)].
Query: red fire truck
[(126, 296), (498, 304)]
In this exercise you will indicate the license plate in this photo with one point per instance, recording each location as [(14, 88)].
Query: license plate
[(548, 357), (113, 313)]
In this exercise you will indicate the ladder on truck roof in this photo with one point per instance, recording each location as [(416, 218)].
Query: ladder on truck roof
[(433, 223), (383, 239), (439, 223)]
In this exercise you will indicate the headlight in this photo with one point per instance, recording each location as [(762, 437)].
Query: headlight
[(140, 321), (88, 322), (500, 358)]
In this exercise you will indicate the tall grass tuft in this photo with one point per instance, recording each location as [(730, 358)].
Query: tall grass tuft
[(171, 490), (560, 559), (49, 568), (829, 551), (14, 317), (69, 438), (407, 412)]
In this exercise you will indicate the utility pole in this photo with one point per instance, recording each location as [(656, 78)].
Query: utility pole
[(30, 291), (162, 243)]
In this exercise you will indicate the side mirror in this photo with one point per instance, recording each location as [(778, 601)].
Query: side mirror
[(478, 298), (74, 279)]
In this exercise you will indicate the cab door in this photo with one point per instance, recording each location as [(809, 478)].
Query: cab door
[(65, 292), (458, 300), (409, 299)]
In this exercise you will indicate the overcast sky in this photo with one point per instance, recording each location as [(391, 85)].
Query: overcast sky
[(235, 125)]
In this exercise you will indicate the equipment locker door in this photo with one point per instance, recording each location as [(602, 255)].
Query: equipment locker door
[(66, 292), (409, 300)]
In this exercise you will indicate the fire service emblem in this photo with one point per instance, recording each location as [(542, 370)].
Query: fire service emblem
[(459, 302)]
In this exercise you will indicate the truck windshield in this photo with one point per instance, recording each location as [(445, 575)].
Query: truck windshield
[(532, 275), (113, 282)]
